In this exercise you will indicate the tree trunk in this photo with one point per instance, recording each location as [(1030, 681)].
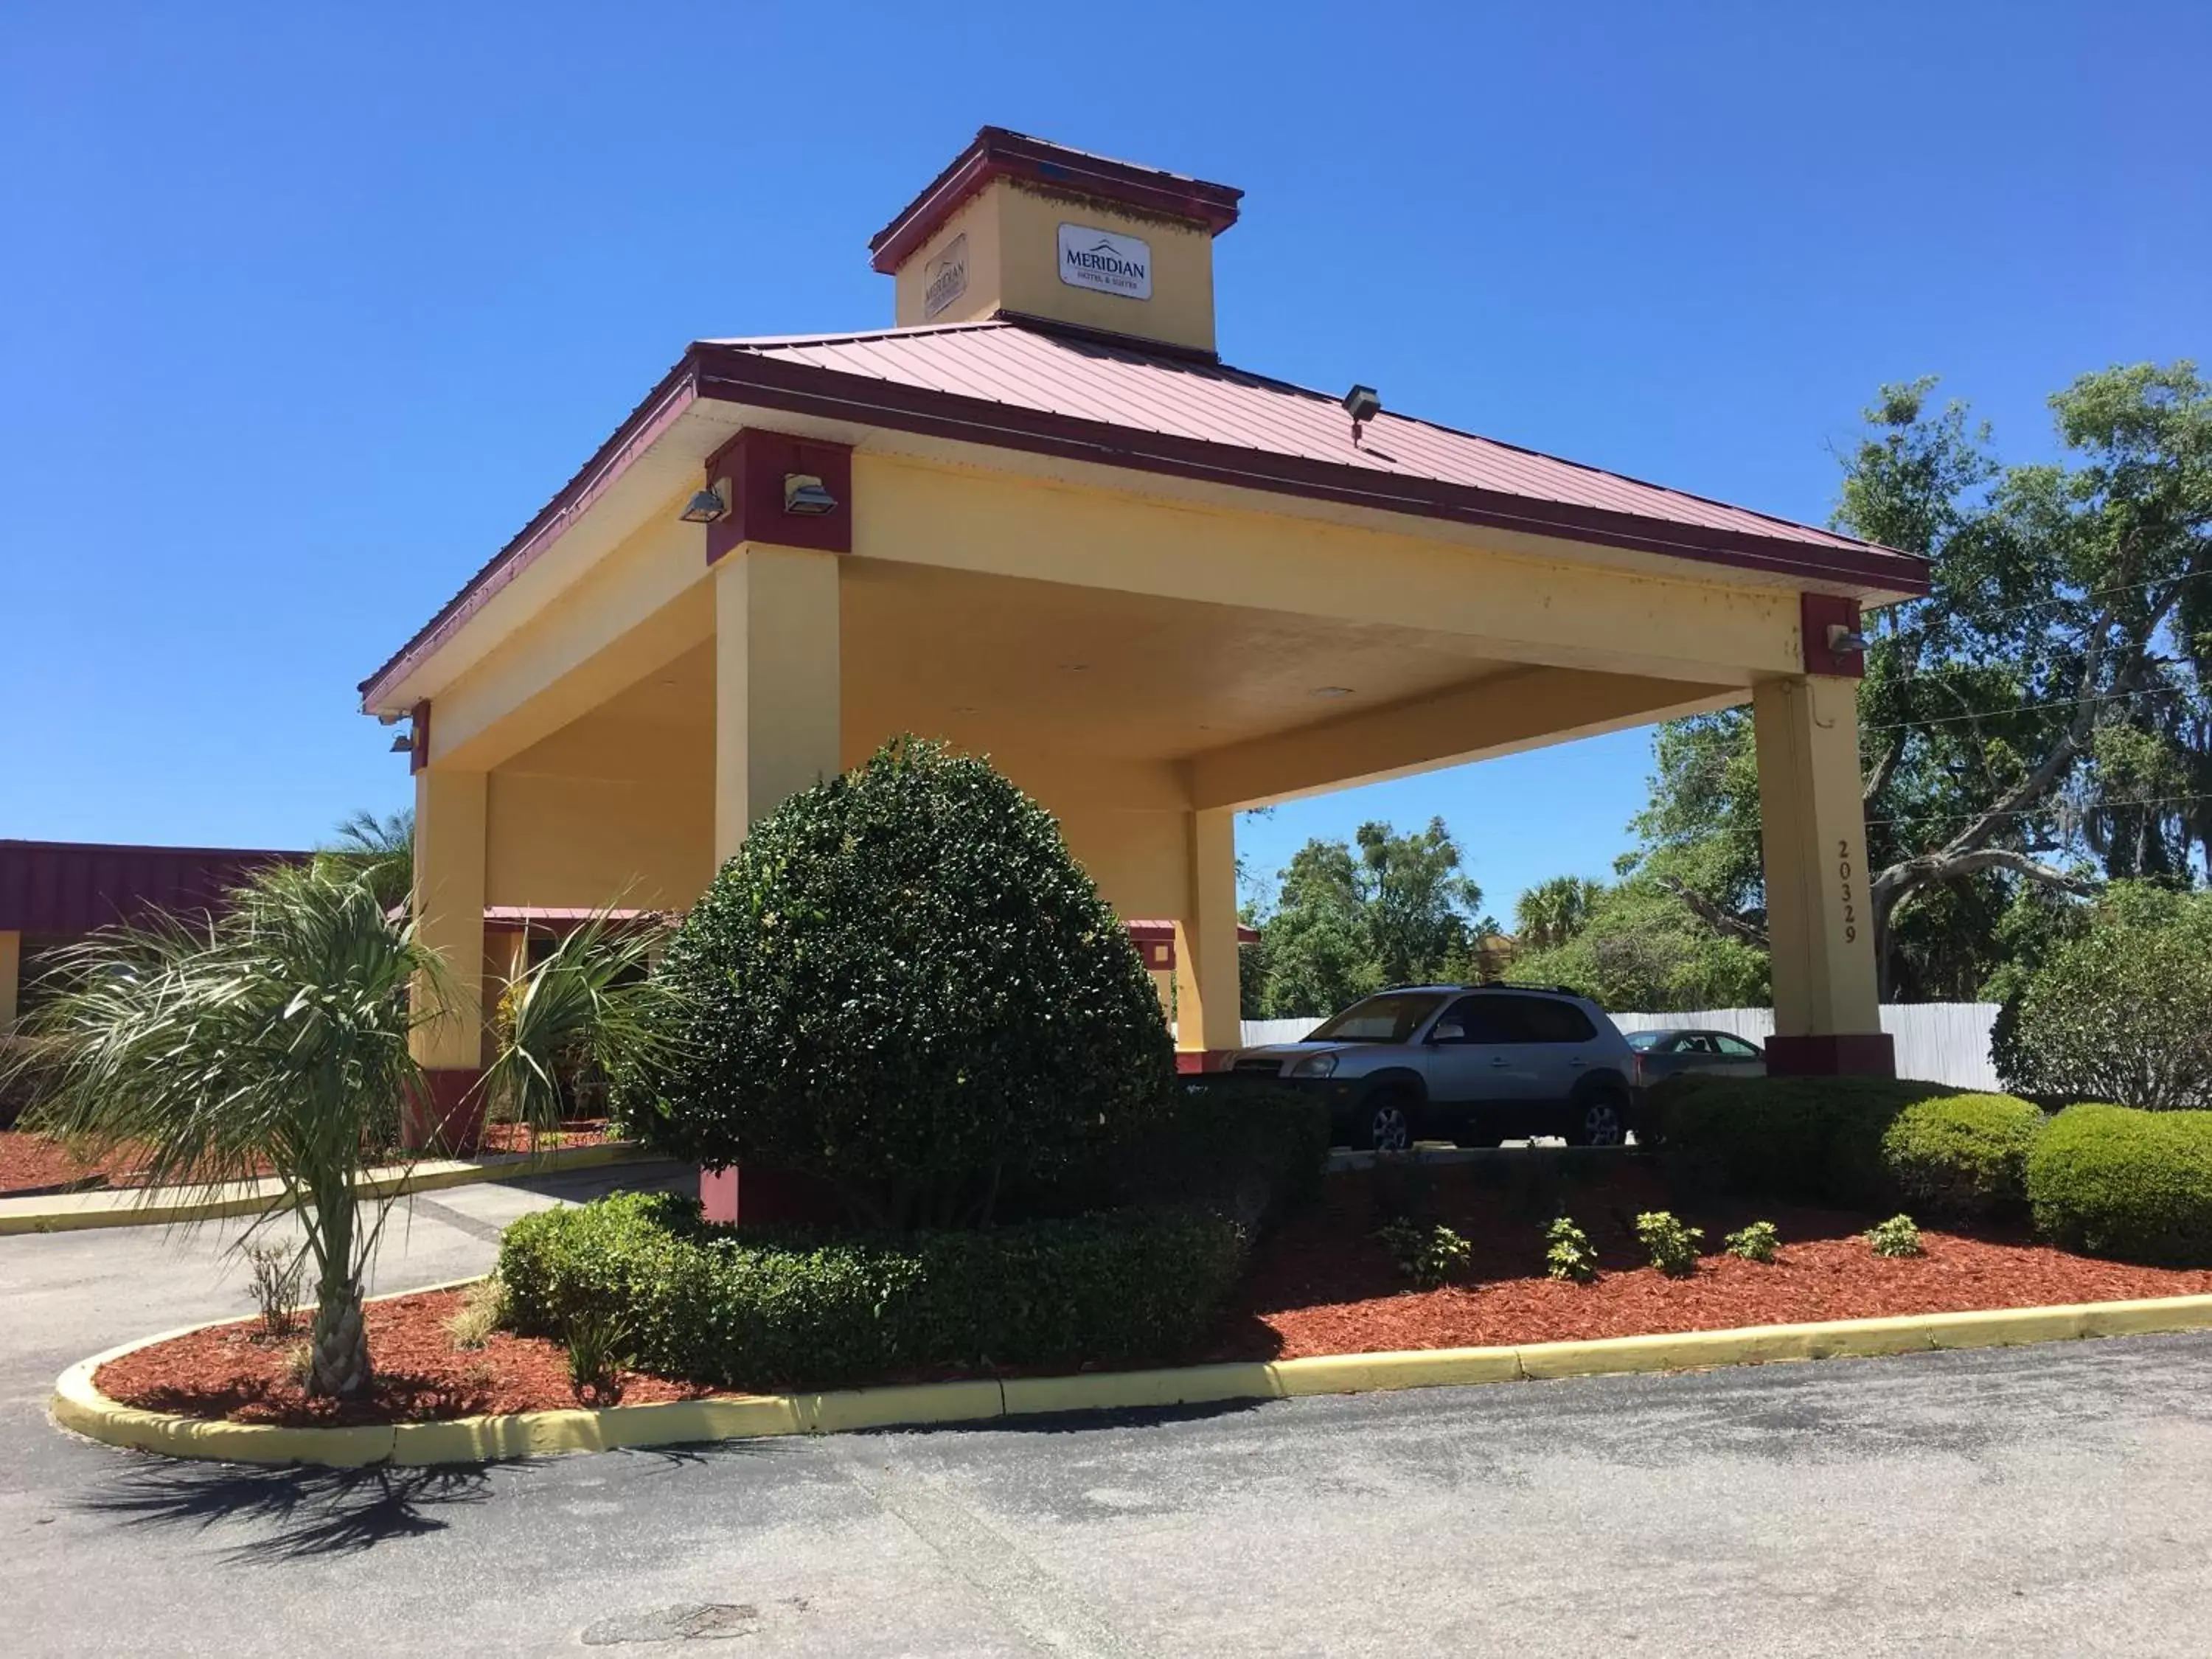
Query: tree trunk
[(339, 1369)]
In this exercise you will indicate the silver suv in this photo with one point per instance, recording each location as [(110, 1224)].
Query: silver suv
[(1475, 1064)]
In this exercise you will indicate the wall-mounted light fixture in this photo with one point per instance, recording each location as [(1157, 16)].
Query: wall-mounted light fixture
[(403, 743), (805, 494), (1842, 642), (706, 506)]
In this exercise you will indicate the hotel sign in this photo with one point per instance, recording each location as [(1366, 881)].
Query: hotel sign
[(1107, 261), (945, 278)]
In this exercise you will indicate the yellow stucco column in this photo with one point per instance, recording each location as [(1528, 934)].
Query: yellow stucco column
[(1828, 1011), (1206, 1014), (776, 682), (11, 974), (449, 903)]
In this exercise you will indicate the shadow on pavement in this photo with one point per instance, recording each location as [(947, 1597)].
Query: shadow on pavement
[(308, 1512)]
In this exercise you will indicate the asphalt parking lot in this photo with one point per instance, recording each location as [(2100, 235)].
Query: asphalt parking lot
[(2048, 1500)]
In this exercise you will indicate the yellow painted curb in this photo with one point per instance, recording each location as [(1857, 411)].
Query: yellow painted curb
[(133, 1207), (78, 1404)]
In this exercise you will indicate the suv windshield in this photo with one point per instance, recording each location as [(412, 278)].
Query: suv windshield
[(1391, 1018)]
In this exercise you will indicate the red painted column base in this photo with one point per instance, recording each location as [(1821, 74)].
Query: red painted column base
[(757, 1195), (449, 1114), (1850, 1054), (1191, 1061)]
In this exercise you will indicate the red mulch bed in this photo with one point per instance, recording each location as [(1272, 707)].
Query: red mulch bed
[(30, 1161), (233, 1371), (1322, 1285)]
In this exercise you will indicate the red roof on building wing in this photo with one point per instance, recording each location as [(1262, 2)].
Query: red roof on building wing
[(1023, 384), (75, 887)]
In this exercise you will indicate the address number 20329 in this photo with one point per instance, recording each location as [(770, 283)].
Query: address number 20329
[(1844, 879)]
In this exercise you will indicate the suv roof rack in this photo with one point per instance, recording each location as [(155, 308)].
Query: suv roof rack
[(1516, 985)]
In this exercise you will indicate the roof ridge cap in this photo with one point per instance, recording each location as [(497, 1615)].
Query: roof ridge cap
[(845, 336)]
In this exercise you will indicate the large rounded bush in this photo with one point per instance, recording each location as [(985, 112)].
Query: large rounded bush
[(2121, 1183), (1963, 1157), (904, 984), (2120, 1010)]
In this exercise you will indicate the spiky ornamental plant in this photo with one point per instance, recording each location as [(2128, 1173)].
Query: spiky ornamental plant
[(592, 1001)]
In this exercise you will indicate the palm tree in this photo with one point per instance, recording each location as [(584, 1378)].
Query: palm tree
[(276, 1037), (382, 849), (1552, 912)]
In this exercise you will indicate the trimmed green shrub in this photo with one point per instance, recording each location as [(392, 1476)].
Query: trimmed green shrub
[(2121, 1009), (1429, 1255), (1757, 1242), (758, 1310), (1897, 1236), (1963, 1157), (1674, 1247), (1567, 1253), (2117, 1181), (902, 983), (1815, 1141)]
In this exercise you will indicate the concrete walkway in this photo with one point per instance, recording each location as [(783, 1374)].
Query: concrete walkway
[(143, 1207)]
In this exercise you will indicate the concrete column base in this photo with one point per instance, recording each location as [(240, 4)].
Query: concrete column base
[(755, 1195), (1845, 1054), (449, 1114)]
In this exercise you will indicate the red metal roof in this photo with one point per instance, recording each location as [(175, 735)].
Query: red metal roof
[(74, 887), (1057, 371), (1020, 382)]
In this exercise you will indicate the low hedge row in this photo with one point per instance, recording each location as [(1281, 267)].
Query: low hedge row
[(2117, 1181), (2111, 1181), (1814, 1140), (1252, 1152), (758, 1310), (1962, 1157)]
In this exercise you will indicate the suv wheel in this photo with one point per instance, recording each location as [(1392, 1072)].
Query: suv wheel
[(1598, 1120), (1385, 1123)]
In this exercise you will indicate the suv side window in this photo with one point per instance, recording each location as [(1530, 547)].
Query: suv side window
[(1530, 1019)]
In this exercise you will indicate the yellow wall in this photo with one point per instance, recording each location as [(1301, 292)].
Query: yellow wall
[(1012, 232)]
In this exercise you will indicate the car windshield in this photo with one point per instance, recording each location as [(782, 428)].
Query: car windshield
[(1647, 1041), (1392, 1017)]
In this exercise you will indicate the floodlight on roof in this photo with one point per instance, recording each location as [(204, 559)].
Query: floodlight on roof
[(705, 506)]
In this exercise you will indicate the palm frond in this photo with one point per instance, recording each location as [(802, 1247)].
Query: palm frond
[(592, 1000)]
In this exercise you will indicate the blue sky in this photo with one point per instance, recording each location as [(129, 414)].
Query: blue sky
[(307, 308)]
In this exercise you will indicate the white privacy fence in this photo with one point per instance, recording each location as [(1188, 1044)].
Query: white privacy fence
[(1936, 1041)]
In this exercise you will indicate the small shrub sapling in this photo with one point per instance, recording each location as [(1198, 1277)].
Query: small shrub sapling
[(276, 1271), (1568, 1254), (1757, 1242), (595, 1365), (1427, 1255), (1895, 1236), (1674, 1247)]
